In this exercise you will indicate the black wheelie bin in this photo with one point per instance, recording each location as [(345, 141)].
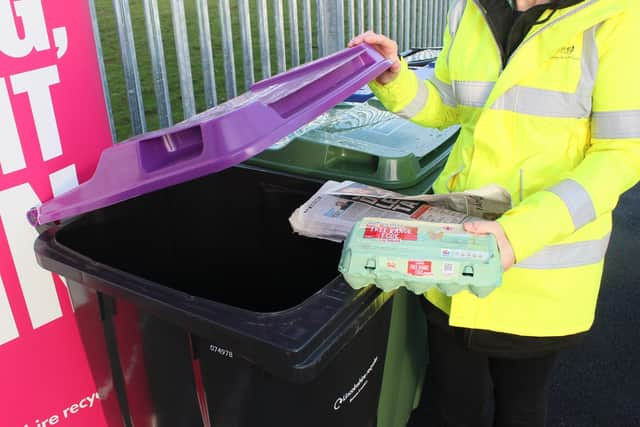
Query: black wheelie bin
[(213, 312)]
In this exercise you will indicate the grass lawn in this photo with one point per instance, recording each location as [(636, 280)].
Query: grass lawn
[(113, 62)]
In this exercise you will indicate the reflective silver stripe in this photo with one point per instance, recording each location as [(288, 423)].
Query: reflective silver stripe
[(616, 124), (472, 94), (551, 103), (445, 91), (567, 255), (588, 69), (455, 16), (577, 200), (540, 102), (417, 103)]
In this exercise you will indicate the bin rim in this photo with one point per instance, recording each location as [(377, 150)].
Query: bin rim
[(258, 337), (220, 137)]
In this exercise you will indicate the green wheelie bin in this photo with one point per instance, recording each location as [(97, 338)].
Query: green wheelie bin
[(362, 142)]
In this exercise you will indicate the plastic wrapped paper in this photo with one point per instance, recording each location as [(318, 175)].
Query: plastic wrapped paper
[(334, 209)]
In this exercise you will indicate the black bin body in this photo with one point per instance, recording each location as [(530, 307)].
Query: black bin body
[(215, 313)]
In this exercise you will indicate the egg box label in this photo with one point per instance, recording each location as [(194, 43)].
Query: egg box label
[(419, 268), (390, 232)]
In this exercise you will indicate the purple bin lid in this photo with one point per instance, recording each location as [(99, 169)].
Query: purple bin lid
[(218, 138)]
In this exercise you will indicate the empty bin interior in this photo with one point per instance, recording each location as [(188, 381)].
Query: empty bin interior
[(225, 237)]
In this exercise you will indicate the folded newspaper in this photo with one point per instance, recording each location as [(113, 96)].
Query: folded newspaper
[(334, 209)]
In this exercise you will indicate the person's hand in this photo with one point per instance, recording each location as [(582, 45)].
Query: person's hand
[(504, 246), (386, 47)]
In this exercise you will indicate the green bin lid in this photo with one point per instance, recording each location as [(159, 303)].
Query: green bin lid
[(363, 142)]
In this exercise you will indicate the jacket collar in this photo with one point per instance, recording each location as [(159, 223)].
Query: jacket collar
[(544, 41)]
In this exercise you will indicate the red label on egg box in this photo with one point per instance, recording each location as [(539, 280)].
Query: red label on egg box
[(419, 268), (390, 233)]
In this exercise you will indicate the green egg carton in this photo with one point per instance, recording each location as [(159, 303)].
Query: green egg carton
[(420, 255)]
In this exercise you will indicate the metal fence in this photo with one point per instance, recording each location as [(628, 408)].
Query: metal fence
[(244, 41)]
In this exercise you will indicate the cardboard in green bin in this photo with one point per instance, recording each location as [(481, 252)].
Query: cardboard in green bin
[(365, 143), (418, 256)]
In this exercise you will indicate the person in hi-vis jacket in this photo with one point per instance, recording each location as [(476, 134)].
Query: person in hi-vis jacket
[(547, 97)]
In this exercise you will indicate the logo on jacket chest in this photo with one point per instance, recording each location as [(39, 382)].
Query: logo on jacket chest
[(567, 52)]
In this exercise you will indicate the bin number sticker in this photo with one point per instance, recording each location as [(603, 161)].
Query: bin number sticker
[(221, 351), (419, 268), (390, 232)]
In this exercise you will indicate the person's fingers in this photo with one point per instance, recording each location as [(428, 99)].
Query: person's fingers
[(485, 227), (386, 47), (373, 38), (477, 227), (359, 39), (355, 41), (383, 44), (492, 227)]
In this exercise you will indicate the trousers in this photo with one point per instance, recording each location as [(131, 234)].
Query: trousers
[(467, 387)]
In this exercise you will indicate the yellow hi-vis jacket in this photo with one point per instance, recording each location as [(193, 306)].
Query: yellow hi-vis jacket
[(559, 128)]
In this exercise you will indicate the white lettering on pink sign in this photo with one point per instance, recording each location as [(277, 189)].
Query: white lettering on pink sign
[(31, 15), (42, 300), (36, 85), (23, 31), (50, 141), (11, 157)]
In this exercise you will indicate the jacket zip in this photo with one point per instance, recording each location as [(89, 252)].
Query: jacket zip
[(452, 177), (493, 31), (521, 184)]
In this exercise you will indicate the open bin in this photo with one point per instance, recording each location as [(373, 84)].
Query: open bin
[(217, 278), (186, 264)]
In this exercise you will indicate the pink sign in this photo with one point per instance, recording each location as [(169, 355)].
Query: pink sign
[(53, 126)]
